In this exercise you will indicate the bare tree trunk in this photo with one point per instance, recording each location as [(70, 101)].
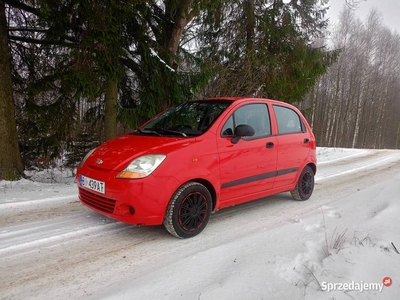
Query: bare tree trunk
[(110, 112), (250, 23), (358, 119), (10, 160), (313, 96), (337, 122), (182, 18), (363, 86), (332, 122)]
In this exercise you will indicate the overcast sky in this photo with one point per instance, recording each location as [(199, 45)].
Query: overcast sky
[(390, 10)]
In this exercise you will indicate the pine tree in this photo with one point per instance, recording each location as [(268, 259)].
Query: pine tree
[(266, 49)]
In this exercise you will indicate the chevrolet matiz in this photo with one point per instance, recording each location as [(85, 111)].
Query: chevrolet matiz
[(197, 158)]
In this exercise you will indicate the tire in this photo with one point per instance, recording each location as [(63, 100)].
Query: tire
[(305, 185), (188, 211)]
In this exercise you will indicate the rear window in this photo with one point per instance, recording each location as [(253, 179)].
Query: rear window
[(288, 120)]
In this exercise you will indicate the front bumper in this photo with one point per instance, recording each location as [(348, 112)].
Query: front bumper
[(133, 201)]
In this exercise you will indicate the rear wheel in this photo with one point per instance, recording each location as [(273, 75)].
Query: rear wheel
[(305, 185), (188, 211)]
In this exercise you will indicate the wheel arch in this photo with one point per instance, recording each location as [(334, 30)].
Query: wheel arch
[(313, 166), (210, 187)]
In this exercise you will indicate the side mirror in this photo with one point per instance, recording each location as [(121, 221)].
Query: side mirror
[(241, 131)]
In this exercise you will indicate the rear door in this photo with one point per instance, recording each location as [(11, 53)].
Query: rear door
[(248, 167), (293, 145)]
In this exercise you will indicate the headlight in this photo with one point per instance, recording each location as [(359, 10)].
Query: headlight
[(142, 166), (86, 157)]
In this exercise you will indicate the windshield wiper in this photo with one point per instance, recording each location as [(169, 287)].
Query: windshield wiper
[(172, 131), (148, 131)]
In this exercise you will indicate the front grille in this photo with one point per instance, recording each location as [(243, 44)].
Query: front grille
[(96, 201)]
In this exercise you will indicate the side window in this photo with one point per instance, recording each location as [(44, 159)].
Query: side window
[(288, 120), (255, 115)]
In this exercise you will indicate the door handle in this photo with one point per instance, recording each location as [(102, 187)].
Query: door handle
[(306, 141), (269, 145)]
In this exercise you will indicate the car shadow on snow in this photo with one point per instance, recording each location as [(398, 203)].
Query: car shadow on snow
[(278, 201), (263, 206)]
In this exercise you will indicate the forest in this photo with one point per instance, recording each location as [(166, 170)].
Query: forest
[(76, 73), (356, 104)]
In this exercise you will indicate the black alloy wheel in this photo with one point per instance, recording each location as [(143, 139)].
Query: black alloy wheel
[(188, 211), (305, 185)]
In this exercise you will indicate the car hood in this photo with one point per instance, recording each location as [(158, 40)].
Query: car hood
[(117, 153)]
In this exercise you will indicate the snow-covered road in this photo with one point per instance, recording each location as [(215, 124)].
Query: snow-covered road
[(52, 247)]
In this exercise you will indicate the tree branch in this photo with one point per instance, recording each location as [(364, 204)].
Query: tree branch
[(129, 63), (26, 29), (40, 42), (23, 6)]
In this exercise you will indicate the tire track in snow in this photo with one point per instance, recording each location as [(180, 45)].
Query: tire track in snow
[(32, 236), (355, 163), (360, 153), (39, 203)]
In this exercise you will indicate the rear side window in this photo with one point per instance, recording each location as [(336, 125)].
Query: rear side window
[(256, 115), (288, 120)]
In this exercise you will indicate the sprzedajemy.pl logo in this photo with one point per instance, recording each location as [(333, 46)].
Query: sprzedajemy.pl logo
[(356, 286)]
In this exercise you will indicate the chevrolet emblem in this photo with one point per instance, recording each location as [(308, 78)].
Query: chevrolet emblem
[(99, 161)]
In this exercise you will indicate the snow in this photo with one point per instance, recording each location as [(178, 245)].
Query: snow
[(343, 238)]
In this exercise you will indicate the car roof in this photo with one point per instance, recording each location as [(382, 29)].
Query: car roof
[(245, 99)]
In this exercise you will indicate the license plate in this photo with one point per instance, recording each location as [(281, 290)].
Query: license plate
[(92, 184)]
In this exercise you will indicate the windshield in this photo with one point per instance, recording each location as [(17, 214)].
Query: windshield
[(187, 119)]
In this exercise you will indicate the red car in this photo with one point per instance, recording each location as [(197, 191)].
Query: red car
[(198, 157)]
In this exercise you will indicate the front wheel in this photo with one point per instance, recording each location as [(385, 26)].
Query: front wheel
[(305, 185), (188, 211)]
